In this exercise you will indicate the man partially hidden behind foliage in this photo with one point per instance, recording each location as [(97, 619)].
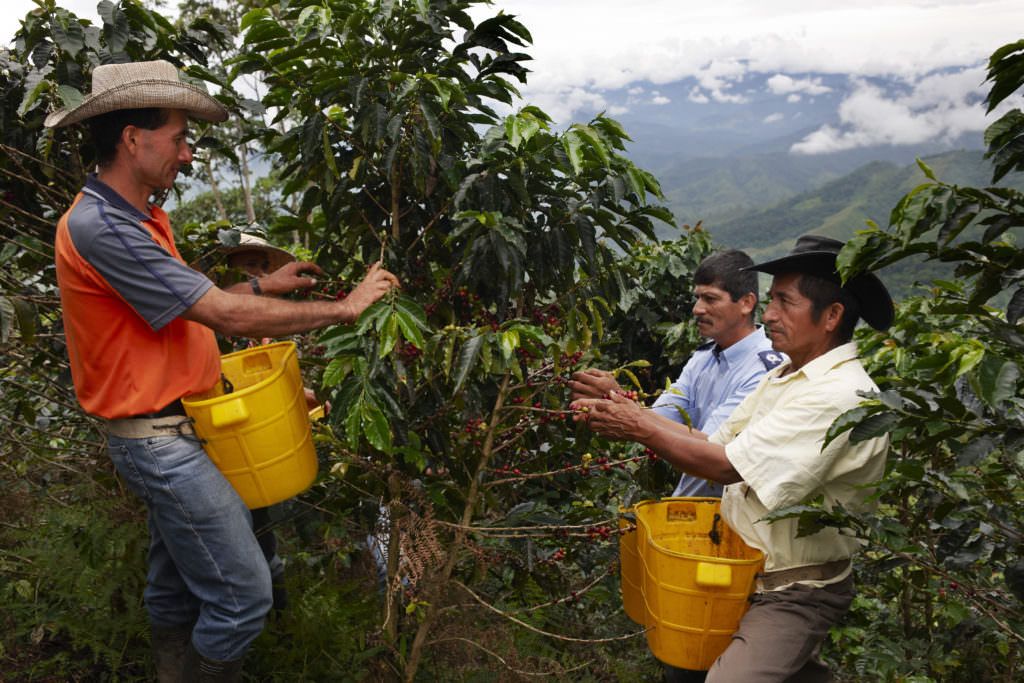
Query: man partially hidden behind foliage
[(771, 454), (140, 336)]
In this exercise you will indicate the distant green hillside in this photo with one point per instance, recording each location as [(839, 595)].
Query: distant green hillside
[(842, 206), (723, 189), (726, 188)]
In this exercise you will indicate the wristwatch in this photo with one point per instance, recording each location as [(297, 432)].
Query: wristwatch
[(255, 284)]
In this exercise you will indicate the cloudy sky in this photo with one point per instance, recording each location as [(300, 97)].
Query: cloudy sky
[(587, 53)]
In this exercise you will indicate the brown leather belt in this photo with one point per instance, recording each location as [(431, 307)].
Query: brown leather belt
[(769, 581), (145, 427)]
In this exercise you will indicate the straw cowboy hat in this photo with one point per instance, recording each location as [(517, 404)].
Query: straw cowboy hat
[(139, 85), (275, 256), (816, 255)]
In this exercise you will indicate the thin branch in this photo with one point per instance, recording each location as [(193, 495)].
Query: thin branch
[(32, 390), (552, 473), (14, 151), (14, 227), (24, 425), (478, 529), (430, 224), (520, 672), (53, 192), (556, 636)]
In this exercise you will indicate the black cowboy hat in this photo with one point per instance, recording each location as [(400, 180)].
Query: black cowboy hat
[(816, 255)]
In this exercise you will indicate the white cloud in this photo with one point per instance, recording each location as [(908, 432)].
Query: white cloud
[(659, 99), (936, 107), (572, 100), (614, 46), (697, 96), (584, 48), (773, 118), (719, 76), (616, 110), (781, 84)]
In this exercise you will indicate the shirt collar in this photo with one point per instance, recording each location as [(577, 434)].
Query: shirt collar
[(100, 189), (823, 363), (741, 348)]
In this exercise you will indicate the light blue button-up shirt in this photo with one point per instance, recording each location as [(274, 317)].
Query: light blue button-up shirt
[(713, 382)]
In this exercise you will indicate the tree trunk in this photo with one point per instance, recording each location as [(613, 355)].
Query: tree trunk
[(243, 170), (222, 213), (441, 584), (392, 593)]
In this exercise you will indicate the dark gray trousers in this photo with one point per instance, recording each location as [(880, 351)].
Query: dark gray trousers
[(781, 634)]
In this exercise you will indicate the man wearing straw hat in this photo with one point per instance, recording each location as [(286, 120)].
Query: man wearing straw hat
[(140, 329), (771, 454)]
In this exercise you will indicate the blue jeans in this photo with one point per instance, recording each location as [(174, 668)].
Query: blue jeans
[(205, 566)]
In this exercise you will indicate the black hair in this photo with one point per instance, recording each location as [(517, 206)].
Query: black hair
[(724, 269), (823, 292), (106, 128)]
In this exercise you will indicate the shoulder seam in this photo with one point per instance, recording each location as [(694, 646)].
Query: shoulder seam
[(157, 276)]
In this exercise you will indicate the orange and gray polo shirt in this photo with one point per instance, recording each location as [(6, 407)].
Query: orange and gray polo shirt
[(123, 286)]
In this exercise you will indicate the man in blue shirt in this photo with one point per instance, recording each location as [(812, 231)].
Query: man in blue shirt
[(722, 371)]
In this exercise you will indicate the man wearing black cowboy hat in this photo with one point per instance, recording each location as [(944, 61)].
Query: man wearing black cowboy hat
[(770, 453), (140, 328)]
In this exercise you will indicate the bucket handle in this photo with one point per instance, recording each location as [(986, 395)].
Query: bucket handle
[(712, 575), (229, 413)]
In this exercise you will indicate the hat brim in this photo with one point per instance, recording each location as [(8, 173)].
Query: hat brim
[(876, 305), (153, 93), (275, 256)]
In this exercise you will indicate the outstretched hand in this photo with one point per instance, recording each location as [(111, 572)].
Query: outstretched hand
[(290, 277), (592, 383), (615, 417), (376, 284)]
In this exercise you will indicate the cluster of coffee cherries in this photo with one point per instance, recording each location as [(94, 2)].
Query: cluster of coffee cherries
[(408, 352), (473, 429), (554, 558), (601, 532)]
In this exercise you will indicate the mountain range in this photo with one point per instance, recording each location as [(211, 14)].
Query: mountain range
[(762, 204), (733, 168)]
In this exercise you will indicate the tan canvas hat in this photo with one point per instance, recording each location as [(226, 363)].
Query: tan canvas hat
[(275, 256), (139, 85)]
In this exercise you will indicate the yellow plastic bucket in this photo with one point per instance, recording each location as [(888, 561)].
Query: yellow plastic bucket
[(695, 589), (259, 433), (630, 570)]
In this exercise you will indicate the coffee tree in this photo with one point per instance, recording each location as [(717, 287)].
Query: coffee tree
[(509, 237)]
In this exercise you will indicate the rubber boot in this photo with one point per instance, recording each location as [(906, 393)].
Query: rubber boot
[(169, 645), (280, 593), (200, 669)]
